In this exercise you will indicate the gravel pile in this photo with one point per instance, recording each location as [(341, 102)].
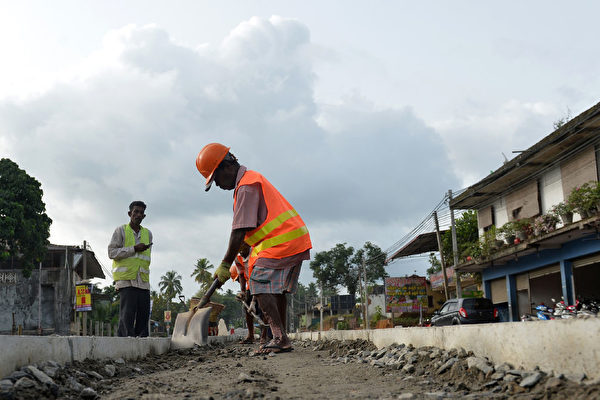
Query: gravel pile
[(461, 372), (90, 378)]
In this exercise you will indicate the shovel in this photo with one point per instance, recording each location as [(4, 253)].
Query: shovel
[(251, 309), (192, 327)]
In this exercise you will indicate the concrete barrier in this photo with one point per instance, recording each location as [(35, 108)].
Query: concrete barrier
[(568, 346), (19, 351)]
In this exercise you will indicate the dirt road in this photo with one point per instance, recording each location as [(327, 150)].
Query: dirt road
[(311, 372), (330, 370)]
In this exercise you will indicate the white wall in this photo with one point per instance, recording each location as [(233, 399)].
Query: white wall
[(376, 300), (551, 191)]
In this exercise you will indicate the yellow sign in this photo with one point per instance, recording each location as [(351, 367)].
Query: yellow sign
[(167, 316), (83, 298)]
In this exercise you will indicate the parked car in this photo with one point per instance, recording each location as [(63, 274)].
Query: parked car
[(465, 311)]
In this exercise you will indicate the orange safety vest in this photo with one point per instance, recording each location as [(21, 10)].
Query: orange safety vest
[(283, 233)]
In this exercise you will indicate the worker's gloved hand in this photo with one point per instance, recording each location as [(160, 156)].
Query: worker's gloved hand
[(222, 272)]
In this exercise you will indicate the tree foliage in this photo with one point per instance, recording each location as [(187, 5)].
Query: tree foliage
[(24, 225), (202, 275), (467, 232), (341, 265), (170, 285)]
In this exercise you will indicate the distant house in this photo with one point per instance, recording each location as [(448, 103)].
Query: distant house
[(562, 263), (50, 289)]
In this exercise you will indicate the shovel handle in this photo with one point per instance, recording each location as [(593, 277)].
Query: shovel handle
[(206, 298)]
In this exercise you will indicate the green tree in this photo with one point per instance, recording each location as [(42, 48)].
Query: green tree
[(435, 265), (341, 265), (467, 232), (375, 262), (170, 286), (112, 292), (24, 225), (330, 267), (202, 275)]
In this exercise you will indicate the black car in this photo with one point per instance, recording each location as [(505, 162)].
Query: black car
[(465, 311)]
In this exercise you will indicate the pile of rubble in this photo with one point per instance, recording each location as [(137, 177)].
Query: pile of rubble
[(88, 379), (460, 372)]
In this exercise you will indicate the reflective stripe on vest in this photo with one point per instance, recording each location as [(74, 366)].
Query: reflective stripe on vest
[(127, 268), (283, 233)]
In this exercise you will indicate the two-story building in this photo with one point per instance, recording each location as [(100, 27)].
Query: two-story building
[(562, 263), (46, 299)]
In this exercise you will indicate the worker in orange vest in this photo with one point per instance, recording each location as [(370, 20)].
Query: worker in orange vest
[(265, 220)]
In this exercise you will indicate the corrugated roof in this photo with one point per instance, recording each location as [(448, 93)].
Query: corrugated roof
[(424, 243)]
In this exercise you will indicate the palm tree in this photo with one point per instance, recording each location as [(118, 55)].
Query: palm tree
[(201, 274), (170, 285)]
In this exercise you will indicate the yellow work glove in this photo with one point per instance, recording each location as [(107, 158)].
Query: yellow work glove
[(222, 272)]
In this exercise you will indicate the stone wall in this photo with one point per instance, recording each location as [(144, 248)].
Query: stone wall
[(20, 295)]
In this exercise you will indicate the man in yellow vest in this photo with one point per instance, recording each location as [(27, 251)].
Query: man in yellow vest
[(129, 248), (263, 219)]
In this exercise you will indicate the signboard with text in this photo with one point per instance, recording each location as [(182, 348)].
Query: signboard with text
[(437, 279), (83, 297), (407, 294), (167, 316)]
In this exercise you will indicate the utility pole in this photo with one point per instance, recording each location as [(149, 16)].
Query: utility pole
[(321, 310), (306, 312), (454, 247), (361, 291), (40, 301), (83, 279), (439, 241), (364, 267)]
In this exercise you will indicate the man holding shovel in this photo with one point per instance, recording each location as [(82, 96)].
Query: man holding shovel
[(263, 219)]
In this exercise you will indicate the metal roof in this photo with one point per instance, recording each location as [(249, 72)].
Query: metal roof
[(573, 136), (424, 243), (93, 267)]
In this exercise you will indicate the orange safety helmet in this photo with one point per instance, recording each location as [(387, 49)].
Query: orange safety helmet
[(209, 159)]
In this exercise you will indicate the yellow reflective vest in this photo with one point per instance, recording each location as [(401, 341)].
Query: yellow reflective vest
[(126, 269)]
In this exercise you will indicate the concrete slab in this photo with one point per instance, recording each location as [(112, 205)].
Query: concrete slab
[(18, 351), (567, 346)]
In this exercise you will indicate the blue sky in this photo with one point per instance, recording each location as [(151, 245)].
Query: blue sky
[(363, 114)]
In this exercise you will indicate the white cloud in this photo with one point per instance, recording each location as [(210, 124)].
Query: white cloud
[(476, 141), (129, 124)]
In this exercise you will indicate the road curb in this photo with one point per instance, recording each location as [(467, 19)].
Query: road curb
[(19, 351), (567, 346)]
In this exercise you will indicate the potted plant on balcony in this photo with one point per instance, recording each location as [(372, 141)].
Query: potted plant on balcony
[(584, 199), (508, 232), (523, 228), (544, 223), (473, 252), (564, 210)]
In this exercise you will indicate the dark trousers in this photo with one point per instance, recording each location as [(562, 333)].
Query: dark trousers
[(134, 312)]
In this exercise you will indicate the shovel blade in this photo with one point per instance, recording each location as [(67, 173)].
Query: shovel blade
[(191, 328)]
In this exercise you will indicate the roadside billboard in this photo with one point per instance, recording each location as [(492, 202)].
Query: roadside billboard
[(407, 294), (83, 297), (437, 279)]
